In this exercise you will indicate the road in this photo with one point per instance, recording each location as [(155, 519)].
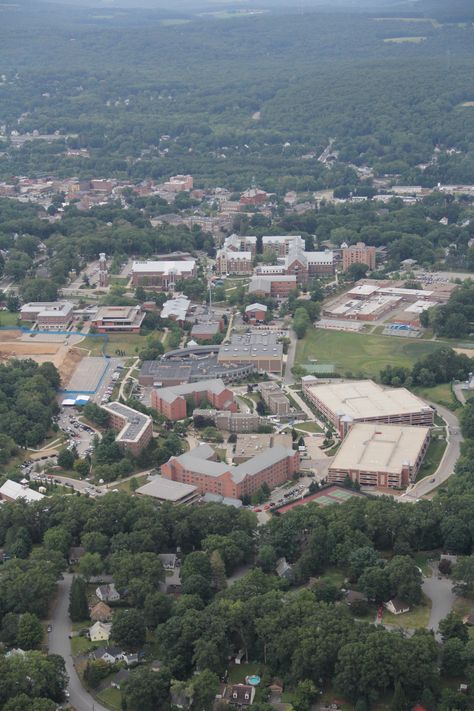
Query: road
[(288, 378), (447, 464), (58, 643), (442, 599)]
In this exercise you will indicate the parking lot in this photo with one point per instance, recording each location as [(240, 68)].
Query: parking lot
[(78, 434), (111, 377)]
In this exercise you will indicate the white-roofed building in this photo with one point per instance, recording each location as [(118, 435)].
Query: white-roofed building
[(380, 455), (176, 309), (344, 404), (163, 273), (12, 491)]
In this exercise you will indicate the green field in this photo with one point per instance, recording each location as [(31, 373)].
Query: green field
[(417, 618), (441, 394), (131, 344), (359, 354), (112, 698), (9, 318), (433, 457)]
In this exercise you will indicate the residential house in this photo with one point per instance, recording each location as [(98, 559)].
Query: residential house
[(241, 694), (397, 606), (168, 560), (110, 655), (101, 612), (107, 593), (75, 554), (100, 631), (284, 569), (129, 658), (119, 678)]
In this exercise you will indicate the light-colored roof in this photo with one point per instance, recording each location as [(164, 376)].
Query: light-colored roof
[(270, 239), (12, 490), (48, 308), (164, 267), (253, 466), (134, 421), (326, 257), (380, 448), (166, 490), (178, 308), (363, 399), (256, 307), (171, 393), (264, 282)]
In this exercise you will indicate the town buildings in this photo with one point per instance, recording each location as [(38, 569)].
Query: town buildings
[(48, 315), (179, 183), (176, 309), (380, 455), (230, 421), (172, 401), (358, 253), (248, 446), (162, 274), (261, 349), (230, 262), (276, 285), (206, 331), (200, 469), (274, 398), (118, 319), (13, 491), (280, 245), (255, 313), (345, 404), (135, 429)]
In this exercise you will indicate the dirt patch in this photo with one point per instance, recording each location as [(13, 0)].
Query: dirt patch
[(20, 349), (10, 335), (465, 351), (69, 364)]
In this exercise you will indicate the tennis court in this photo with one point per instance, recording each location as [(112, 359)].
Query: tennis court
[(331, 495)]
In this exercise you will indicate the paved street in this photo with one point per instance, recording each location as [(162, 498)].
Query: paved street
[(288, 378), (447, 464), (58, 643), (442, 599)]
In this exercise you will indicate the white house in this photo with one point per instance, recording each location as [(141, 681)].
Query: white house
[(100, 631), (107, 593)]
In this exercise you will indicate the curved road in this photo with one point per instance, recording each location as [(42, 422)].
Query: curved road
[(59, 643), (446, 467)]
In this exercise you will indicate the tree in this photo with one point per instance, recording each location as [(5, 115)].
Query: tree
[(128, 629), (356, 271), (82, 467), (147, 690), (405, 579), (78, 607), (30, 631), (306, 692), (39, 290), (301, 322), (9, 629), (219, 581), (66, 459), (157, 609), (452, 657), (452, 627), (95, 671), (90, 564), (58, 538), (360, 559), (23, 701), (205, 685), (375, 583)]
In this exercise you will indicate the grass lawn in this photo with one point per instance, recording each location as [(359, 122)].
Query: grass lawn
[(76, 626), (9, 318), (433, 457), (333, 576), (463, 606), (238, 672), (82, 645), (112, 698), (125, 485), (130, 344), (360, 354), (422, 558), (309, 427), (417, 618), (441, 394)]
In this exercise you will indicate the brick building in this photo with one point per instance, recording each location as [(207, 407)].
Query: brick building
[(276, 285), (230, 262), (172, 401), (274, 398), (255, 313), (200, 468), (135, 429), (179, 183), (118, 319), (261, 349), (162, 274), (48, 315), (358, 253)]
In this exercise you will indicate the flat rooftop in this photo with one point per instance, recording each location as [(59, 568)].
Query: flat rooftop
[(164, 267), (250, 445), (135, 421), (166, 490), (252, 345), (116, 312), (172, 392), (178, 308), (363, 399), (357, 307), (380, 448)]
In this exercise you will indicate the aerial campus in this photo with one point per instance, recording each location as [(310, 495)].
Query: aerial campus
[(236, 355)]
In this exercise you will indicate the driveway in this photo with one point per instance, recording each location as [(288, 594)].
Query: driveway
[(442, 599), (58, 643), (448, 462)]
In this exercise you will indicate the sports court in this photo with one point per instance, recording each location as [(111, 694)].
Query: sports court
[(88, 375), (327, 497)]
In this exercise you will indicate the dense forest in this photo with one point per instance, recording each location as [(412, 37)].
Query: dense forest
[(231, 99)]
